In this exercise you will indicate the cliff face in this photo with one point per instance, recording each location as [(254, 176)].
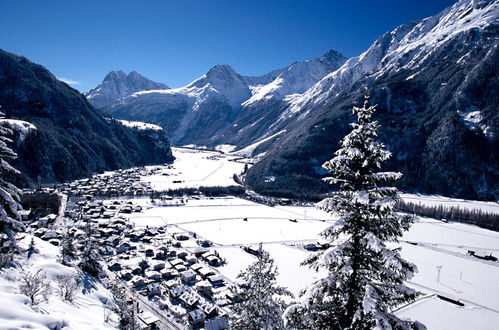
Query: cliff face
[(72, 139)]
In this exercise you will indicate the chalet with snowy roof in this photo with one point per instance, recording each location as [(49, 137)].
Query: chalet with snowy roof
[(189, 299), (188, 275), (216, 280), (177, 291), (196, 317), (154, 289)]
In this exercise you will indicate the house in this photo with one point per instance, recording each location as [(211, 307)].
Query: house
[(200, 251), (213, 260), (154, 289), (115, 266), (125, 246), (216, 280), (196, 317), (143, 264), (153, 275), (191, 259), (188, 275), (208, 308), (176, 262), (25, 214), (149, 253), (49, 235), (205, 272), (149, 320), (189, 299), (138, 282), (218, 323), (204, 288), (126, 275), (158, 265), (160, 255), (196, 266), (177, 291)]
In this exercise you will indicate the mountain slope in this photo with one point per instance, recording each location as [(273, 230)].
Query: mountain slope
[(435, 83), (204, 111), (72, 139), (118, 85)]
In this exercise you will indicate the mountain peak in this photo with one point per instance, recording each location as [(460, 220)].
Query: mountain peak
[(221, 70), (118, 85), (332, 56)]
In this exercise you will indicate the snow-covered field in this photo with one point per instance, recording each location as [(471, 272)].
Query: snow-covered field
[(428, 244), (194, 168)]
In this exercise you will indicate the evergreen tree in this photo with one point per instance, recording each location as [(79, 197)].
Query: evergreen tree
[(67, 249), (90, 256), (125, 307), (10, 220), (258, 297), (365, 279)]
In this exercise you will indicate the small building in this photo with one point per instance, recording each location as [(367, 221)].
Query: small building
[(204, 288), (213, 260), (216, 280), (189, 299), (188, 275), (176, 291), (149, 320), (153, 275), (205, 272), (196, 317), (154, 289), (208, 308), (115, 266)]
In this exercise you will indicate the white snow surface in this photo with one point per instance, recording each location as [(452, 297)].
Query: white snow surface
[(140, 125), (87, 311), (248, 151), (195, 168), (21, 126)]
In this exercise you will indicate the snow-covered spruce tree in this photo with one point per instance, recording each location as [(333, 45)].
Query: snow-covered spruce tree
[(89, 261), (365, 279), (10, 220), (67, 252), (259, 305)]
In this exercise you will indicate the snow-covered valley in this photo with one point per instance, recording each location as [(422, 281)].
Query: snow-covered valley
[(457, 290)]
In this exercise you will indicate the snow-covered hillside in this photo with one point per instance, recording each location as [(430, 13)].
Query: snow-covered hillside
[(88, 310), (21, 127), (405, 47)]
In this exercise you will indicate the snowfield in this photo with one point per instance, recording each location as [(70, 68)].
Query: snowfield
[(193, 168)]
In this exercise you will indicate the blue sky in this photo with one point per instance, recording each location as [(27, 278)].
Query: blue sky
[(177, 41)]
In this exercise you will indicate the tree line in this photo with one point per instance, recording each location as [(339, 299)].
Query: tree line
[(483, 219)]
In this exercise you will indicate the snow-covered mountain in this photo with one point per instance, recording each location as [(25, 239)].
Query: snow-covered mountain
[(435, 84), (201, 111), (294, 79), (406, 47), (118, 85)]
